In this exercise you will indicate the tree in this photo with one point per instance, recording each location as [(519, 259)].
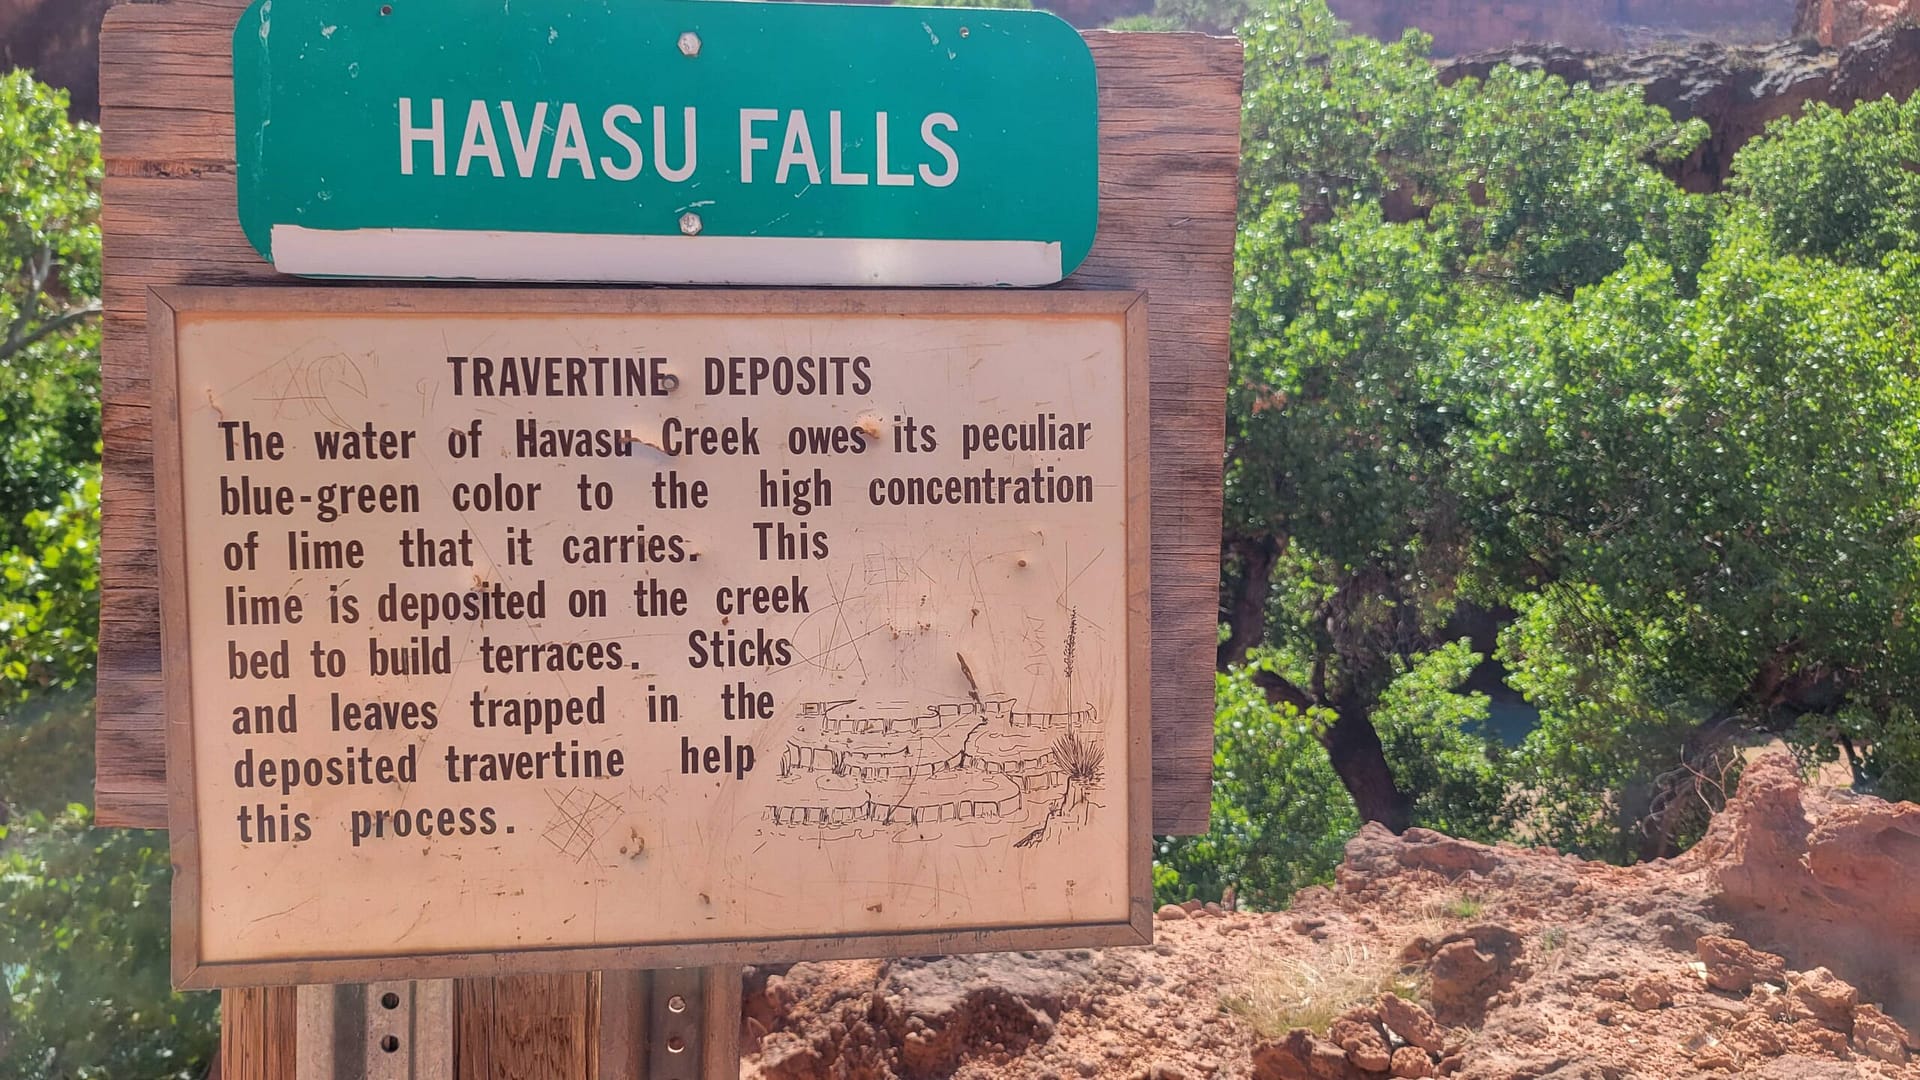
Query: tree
[(1511, 411), (1382, 213), (50, 594), (49, 290), (1719, 494), (84, 948), (84, 941), (1836, 185), (1279, 818)]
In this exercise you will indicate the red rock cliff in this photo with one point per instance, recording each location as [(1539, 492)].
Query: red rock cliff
[(1460, 26), (1842, 22), (58, 40)]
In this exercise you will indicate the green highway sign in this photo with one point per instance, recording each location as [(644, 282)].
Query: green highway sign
[(674, 141)]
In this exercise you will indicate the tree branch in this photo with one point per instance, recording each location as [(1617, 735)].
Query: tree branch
[(1281, 691), (19, 338), (1247, 610)]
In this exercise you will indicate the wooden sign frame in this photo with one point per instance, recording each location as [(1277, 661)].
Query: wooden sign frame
[(1169, 148), (166, 304)]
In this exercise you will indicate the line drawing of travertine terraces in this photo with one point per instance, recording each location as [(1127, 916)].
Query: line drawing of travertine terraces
[(904, 766)]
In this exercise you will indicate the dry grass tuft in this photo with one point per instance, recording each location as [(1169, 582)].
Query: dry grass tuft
[(1297, 992)]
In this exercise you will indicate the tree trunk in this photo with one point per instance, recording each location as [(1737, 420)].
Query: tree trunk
[(1246, 610), (1353, 746), (1354, 749)]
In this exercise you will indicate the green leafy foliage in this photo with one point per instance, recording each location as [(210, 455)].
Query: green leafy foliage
[(1438, 741), (84, 937), (1585, 778), (50, 594), (49, 289), (1843, 186), (1280, 820), (1500, 386), (46, 752), (83, 950)]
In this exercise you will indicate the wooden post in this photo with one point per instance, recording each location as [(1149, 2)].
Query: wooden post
[(257, 1026), (525, 1027)]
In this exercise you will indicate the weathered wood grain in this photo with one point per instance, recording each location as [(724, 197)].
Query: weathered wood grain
[(257, 1026), (524, 1026), (1169, 118)]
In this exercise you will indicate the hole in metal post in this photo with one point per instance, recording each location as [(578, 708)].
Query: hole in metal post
[(676, 1003), (676, 1045), (386, 9), (389, 1000), (389, 1043)]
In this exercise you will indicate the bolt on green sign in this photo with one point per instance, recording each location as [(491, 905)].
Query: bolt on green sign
[(678, 141)]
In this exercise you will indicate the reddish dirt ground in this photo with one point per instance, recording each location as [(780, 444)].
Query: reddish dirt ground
[(1782, 947)]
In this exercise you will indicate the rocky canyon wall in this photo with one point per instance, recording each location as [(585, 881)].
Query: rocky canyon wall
[(57, 39), (1461, 26), (1737, 90), (1843, 22)]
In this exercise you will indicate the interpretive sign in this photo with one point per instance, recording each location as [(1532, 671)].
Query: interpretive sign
[(647, 629), (679, 141)]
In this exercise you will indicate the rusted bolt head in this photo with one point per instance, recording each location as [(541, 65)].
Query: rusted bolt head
[(689, 44), (690, 223)]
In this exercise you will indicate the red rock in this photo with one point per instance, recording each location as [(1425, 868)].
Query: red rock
[(1470, 969), (1827, 999), (1284, 1059), (1650, 993), (1299, 1056), (1876, 1035), (1834, 880), (1413, 1024), (1737, 90), (784, 1056), (1465, 25), (1842, 22), (1424, 849), (1463, 978), (1327, 1061), (1363, 1043), (1735, 965), (1608, 990), (1411, 1061)]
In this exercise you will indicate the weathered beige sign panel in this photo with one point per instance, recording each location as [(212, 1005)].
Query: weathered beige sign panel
[(636, 630)]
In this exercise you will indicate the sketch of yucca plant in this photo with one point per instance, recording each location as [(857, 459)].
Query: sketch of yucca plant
[(1083, 759)]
